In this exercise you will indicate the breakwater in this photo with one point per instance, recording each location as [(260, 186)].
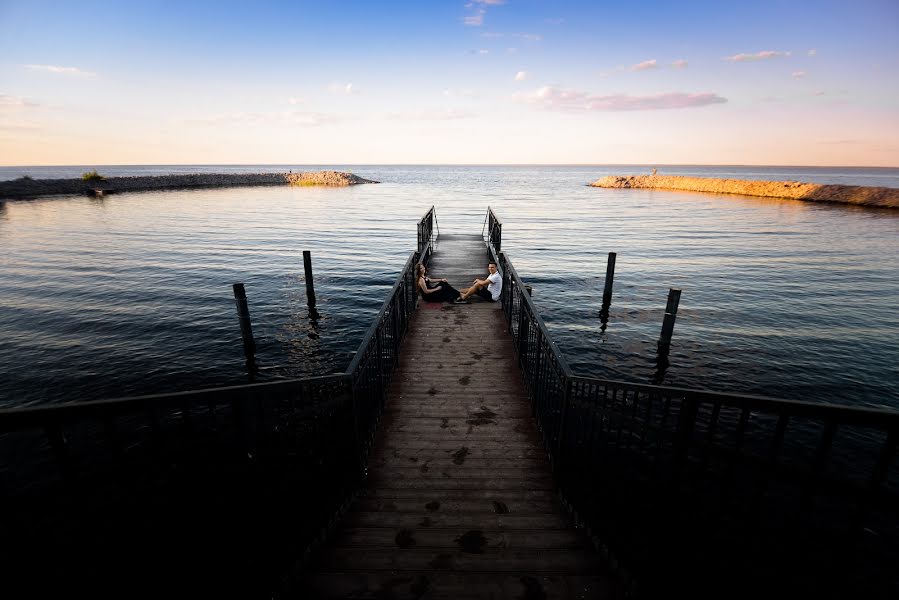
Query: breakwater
[(884, 197), (33, 188)]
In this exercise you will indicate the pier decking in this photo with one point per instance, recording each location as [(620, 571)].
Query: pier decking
[(459, 500)]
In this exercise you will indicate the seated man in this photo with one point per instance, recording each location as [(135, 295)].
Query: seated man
[(488, 289)]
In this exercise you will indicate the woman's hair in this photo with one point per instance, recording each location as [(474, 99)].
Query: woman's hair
[(420, 269)]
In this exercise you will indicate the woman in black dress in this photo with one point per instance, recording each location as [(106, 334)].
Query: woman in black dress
[(435, 290)]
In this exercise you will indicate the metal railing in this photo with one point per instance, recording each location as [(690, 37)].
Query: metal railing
[(242, 480), (426, 230), (710, 491), (494, 230)]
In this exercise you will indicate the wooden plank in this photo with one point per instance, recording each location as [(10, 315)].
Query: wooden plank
[(428, 537), (416, 585)]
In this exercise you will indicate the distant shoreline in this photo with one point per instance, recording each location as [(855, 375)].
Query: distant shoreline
[(25, 187), (880, 197)]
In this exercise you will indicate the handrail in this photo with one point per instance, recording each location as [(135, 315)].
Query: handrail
[(494, 230), (426, 229), (699, 486)]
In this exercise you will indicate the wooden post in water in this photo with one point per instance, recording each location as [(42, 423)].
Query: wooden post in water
[(246, 328), (610, 276), (310, 288), (670, 316), (607, 291)]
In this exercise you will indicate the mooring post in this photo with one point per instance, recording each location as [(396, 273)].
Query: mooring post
[(310, 290), (610, 276), (246, 328), (670, 316)]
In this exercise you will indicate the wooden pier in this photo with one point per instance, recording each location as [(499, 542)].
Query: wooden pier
[(459, 501)]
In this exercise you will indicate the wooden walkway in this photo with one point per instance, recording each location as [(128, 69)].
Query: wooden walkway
[(459, 501)]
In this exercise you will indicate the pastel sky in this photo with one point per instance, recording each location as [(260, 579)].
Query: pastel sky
[(789, 82)]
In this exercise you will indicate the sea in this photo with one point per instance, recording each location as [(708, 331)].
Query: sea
[(131, 293)]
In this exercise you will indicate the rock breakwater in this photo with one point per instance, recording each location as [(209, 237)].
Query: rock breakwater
[(883, 197), (34, 188)]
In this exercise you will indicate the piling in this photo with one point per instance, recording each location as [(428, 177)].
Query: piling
[(246, 328), (310, 289), (607, 291), (670, 316)]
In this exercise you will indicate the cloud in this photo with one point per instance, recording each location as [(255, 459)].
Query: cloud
[(287, 117), (645, 65), (293, 100), (15, 102), (531, 37), (449, 114), (812, 52), (522, 75), (553, 21), (798, 74), (765, 54), (73, 71), (483, 51), (342, 88), (462, 93), (574, 101), (474, 20), (679, 64)]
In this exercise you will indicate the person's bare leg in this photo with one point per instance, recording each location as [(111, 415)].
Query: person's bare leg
[(468, 292)]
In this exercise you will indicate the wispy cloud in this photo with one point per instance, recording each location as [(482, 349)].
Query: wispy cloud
[(15, 102), (644, 66), (71, 71), (449, 114), (763, 55), (293, 100), (553, 21), (460, 93), (474, 20), (343, 88), (679, 64), (490, 2), (522, 75), (531, 37), (483, 51), (287, 117), (798, 74), (575, 101), (812, 52)]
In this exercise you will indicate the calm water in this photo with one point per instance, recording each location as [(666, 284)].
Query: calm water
[(132, 293)]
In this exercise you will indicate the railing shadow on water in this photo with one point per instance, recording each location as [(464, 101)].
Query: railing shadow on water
[(713, 494), (213, 492)]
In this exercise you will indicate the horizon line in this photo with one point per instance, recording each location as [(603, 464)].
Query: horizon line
[(412, 164)]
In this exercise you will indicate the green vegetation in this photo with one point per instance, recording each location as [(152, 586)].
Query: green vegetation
[(92, 176)]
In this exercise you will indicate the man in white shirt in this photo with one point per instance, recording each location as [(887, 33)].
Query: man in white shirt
[(488, 289)]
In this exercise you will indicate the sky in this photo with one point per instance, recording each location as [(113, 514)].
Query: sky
[(450, 82)]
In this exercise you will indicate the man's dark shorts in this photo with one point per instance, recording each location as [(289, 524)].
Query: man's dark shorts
[(485, 294)]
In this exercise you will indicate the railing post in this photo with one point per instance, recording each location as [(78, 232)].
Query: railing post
[(563, 423)]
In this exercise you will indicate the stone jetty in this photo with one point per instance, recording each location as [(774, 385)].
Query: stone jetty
[(846, 194), (34, 188)]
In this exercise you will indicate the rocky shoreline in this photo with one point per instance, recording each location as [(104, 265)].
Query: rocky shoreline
[(882, 197), (35, 188)]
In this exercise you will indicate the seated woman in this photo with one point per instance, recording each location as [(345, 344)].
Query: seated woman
[(435, 290)]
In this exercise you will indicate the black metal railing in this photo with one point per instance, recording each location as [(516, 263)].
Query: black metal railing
[(426, 229), (494, 230), (218, 491), (711, 492)]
